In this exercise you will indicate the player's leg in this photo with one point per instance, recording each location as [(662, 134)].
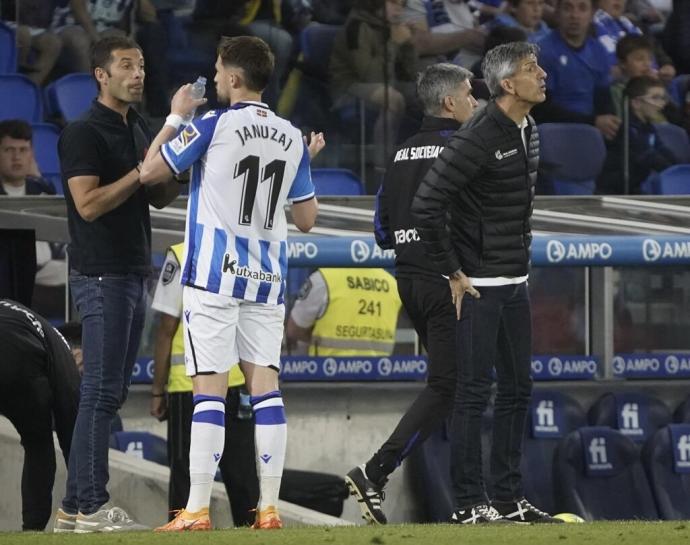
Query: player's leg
[(210, 325), (260, 334)]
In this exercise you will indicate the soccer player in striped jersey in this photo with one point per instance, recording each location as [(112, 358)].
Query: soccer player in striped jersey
[(246, 164)]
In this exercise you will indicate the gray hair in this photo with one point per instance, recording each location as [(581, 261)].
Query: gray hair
[(503, 61), (438, 81)]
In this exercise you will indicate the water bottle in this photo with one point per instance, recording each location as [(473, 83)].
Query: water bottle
[(197, 91)]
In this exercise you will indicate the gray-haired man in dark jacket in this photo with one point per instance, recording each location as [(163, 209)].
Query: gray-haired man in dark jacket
[(473, 213)]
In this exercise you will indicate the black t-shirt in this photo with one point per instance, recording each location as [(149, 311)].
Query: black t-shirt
[(101, 144)]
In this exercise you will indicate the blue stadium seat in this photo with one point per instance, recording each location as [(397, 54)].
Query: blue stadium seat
[(45, 140), (678, 88), (552, 416), (635, 415), (666, 458), (682, 412), (571, 158), (141, 444), (8, 49), (598, 475), (674, 180), (675, 139), (71, 95), (20, 98), (336, 181)]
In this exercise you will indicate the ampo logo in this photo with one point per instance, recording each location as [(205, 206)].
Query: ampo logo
[(385, 367), (555, 251), (651, 250), (330, 367), (359, 250), (555, 367), (672, 365), (537, 367), (618, 365)]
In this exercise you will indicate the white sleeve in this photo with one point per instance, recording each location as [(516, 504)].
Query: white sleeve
[(311, 302), (168, 295)]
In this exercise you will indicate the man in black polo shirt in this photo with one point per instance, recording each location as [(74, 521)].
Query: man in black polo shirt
[(39, 386), (110, 251)]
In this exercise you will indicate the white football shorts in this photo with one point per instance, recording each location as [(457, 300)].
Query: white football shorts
[(220, 330)]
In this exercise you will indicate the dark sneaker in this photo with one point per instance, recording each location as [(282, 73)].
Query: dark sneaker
[(522, 511), (478, 514), (369, 495)]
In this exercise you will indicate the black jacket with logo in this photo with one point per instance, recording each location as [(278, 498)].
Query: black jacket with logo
[(485, 181), (393, 224)]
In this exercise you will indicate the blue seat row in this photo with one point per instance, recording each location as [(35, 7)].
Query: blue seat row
[(629, 462)]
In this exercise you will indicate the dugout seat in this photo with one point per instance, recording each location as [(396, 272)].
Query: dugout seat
[(552, 415), (20, 98), (599, 475), (682, 412), (635, 415), (666, 458), (571, 157), (141, 444)]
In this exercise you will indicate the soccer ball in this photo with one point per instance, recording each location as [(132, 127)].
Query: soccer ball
[(569, 517)]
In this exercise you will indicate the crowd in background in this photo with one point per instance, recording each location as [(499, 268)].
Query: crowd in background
[(594, 52)]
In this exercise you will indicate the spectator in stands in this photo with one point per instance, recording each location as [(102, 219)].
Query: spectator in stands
[(578, 72), (345, 312), (526, 15), (39, 386), (676, 37), (19, 174), (374, 59), (263, 19), (487, 10), (647, 154), (171, 399), (611, 25), (497, 36), (636, 58), (443, 28), (37, 47), (331, 12)]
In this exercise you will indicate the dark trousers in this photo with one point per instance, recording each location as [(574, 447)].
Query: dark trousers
[(112, 312), (26, 399), (237, 466), (494, 331), (428, 304)]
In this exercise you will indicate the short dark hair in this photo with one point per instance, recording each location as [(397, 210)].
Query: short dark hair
[(16, 128), (252, 55), (102, 51), (640, 85), (71, 331), (630, 43)]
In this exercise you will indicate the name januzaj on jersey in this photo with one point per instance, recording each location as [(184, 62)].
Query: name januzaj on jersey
[(419, 152), (265, 132)]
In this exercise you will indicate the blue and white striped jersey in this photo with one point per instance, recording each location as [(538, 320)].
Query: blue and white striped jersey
[(246, 164)]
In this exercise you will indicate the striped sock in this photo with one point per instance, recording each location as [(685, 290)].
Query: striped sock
[(206, 449), (271, 438)]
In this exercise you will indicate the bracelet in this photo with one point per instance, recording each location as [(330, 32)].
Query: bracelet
[(174, 121)]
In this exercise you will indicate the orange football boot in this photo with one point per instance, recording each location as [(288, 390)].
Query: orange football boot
[(267, 519), (185, 521)]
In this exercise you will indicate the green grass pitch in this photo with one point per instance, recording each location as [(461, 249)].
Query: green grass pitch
[(599, 533)]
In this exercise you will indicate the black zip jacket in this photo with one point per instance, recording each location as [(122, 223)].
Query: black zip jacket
[(485, 181), (393, 224)]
